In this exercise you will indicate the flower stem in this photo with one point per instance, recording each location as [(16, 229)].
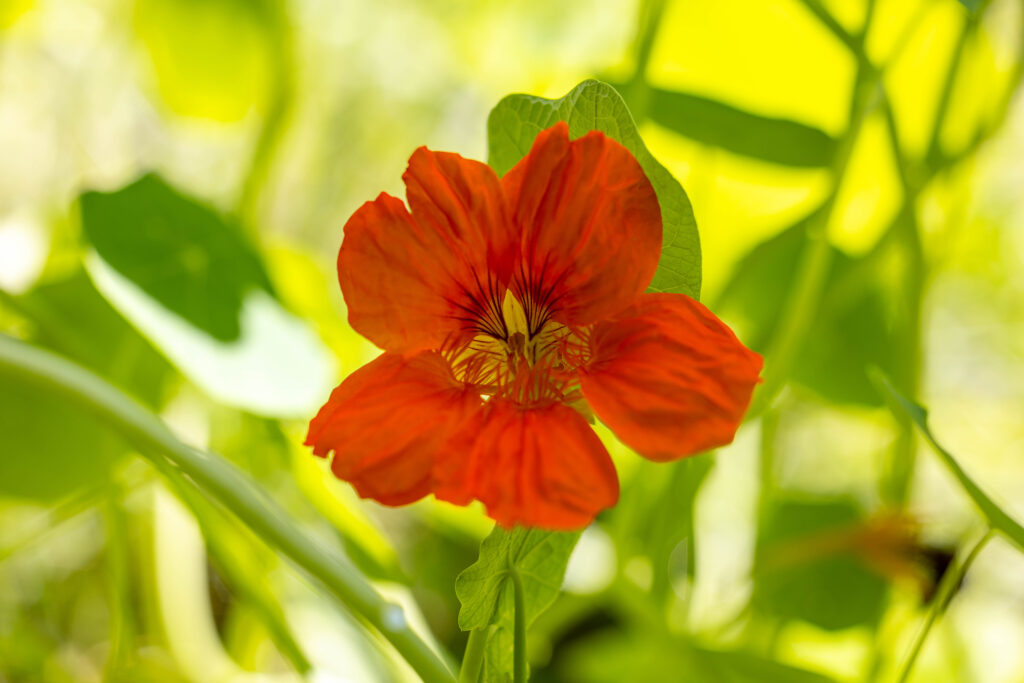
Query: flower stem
[(996, 517), (473, 658), (519, 643), (278, 107), (947, 588), (229, 486)]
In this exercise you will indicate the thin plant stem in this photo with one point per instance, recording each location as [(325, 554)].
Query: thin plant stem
[(821, 14), (228, 485), (279, 105), (237, 568), (59, 515), (118, 566), (519, 643), (996, 517), (812, 273), (947, 589), (473, 658)]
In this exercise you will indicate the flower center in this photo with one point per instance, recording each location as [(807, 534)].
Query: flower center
[(530, 361)]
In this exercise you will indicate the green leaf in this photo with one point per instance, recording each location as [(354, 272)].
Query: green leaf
[(485, 587), (744, 667), (995, 515), (195, 262), (538, 556), (615, 656), (49, 449), (857, 320), (802, 573), (517, 119), (44, 463), (710, 122)]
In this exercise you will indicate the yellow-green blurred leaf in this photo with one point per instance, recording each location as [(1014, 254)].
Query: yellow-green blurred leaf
[(708, 121), (799, 573), (211, 58)]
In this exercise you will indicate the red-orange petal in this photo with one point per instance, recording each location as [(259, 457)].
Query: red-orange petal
[(413, 280), (388, 422), (590, 223), (668, 377), (539, 467)]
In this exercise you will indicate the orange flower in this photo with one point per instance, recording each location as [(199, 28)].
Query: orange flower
[(509, 309)]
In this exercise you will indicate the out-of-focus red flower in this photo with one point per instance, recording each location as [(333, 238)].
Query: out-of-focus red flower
[(509, 309)]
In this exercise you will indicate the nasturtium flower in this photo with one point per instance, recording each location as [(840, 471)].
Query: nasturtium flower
[(511, 312)]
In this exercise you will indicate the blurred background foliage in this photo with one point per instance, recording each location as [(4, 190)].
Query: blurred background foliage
[(174, 176)]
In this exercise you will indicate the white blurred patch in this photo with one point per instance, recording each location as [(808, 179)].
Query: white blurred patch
[(591, 566), (23, 247), (277, 367), (726, 514)]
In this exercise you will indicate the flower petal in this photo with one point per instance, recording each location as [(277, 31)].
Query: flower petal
[(388, 422), (668, 377), (541, 467), (590, 224), (412, 281)]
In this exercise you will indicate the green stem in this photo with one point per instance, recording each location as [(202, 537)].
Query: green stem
[(236, 564), (519, 643), (636, 91), (118, 568), (993, 514), (651, 12), (800, 311), (769, 484), (54, 519), (812, 274), (946, 96), (279, 104), (234, 489), (850, 41), (947, 589), (473, 658)]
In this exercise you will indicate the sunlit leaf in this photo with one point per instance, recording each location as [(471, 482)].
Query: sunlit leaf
[(708, 121), (485, 588), (278, 367), (183, 254), (515, 121)]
